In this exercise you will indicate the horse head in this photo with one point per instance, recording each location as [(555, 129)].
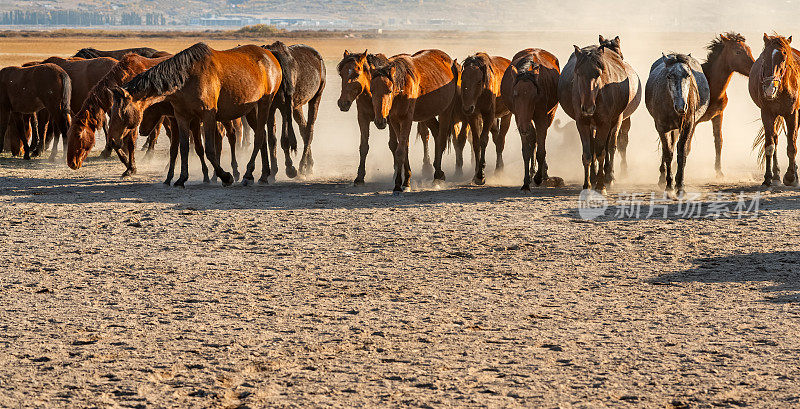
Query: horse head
[(588, 80), (680, 82), (736, 53), (388, 82), (525, 92), (778, 59), (80, 138), (125, 114), (613, 45), (475, 72), (355, 73)]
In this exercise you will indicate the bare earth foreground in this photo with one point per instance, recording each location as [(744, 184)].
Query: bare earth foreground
[(127, 293), (130, 293)]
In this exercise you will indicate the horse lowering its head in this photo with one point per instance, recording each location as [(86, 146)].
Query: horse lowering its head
[(680, 82), (613, 45), (526, 92), (589, 66), (730, 52), (149, 87), (475, 73), (355, 69), (779, 65), (393, 79)]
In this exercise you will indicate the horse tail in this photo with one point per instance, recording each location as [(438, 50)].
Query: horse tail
[(287, 90), (761, 137), (66, 97)]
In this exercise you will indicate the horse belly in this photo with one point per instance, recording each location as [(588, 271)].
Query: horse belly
[(435, 102)]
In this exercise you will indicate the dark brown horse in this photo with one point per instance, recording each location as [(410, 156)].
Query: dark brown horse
[(356, 70), (600, 91), (480, 83), (117, 54), (307, 72), (28, 90), (775, 88), (208, 85), (728, 53), (530, 91), (91, 116), (414, 88)]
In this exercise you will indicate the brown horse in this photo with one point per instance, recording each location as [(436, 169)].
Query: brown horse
[(728, 53), (356, 70), (91, 116), (775, 88), (530, 91), (307, 72), (414, 88), (481, 77), (208, 85), (600, 91), (28, 90), (117, 54), (84, 74)]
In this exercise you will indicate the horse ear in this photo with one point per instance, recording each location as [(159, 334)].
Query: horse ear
[(120, 93), (616, 41), (766, 37), (346, 53), (577, 49), (789, 40), (690, 54), (663, 55), (601, 39)]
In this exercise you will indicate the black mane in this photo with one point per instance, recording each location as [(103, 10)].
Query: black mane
[(716, 45), (479, 60), (526, 69), (169, 74), (88, 53), (374, 60), (676, 58), (402, 69)]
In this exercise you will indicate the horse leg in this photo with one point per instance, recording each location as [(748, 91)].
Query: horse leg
[(271, 138), (611, 149), (684, 146), (4, 119), (776, 172), (459, 141), (622, 144), (716, 124), (257, 119), (232, 132), (528, 143), (210, 128), (174, 142), (768, 121), (130, 146), (424, 131), (19, 130), (480, 147), (217, 146), (106, 153), (184, 133), (500, 141), (307, 160), (790, 178), (585, 131), (363, 148), (402, 173), (665, 169)]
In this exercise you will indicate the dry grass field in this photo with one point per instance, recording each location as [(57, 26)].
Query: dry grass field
[(312, 293)]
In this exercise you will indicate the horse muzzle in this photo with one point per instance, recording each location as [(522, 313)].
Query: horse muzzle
[(344, 105), (469, 110), (680, 108), (588, 110), (771, 87), (380, 123)]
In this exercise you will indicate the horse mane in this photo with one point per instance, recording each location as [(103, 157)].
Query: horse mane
[(95, 104), (594, 55), (88, 53), (526, 67), (716, 45), (374, 60), (478, 60), (402, 69), (169, 74), (676, 58)]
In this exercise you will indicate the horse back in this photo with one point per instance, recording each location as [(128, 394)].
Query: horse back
[(435, 82)]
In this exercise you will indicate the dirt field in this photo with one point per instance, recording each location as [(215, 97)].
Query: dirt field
[(127, 293)]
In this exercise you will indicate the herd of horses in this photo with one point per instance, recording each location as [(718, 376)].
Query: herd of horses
[(200, 94)]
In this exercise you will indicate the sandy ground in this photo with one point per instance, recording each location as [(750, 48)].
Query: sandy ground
[(127, 293)]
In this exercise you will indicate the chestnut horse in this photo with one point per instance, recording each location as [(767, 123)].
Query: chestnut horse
[(414, 88), (728, 53), (775, 88), (307, 72), (530, 90), (600, 91), (117, 54), (208, 85), (28, 90), (481, 77), (356, 70), (91, 116)]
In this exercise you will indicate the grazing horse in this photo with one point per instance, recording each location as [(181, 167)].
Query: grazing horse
[(208, 85), (775, 88), (91, 116), (728, 53), (530, 90), (481, 77), (356, 70), (117, 54), (676, 95), (306, 69), (600, 91), (414, 88), (28, 90)]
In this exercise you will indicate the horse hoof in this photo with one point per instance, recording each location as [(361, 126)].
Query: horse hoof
[(227, 179), (554, 181), (427, 170), (358, 182), (207, 180), (236, 176), (438, 175), (720, 175), (247, 181), (602, 191), (291, 172), (397, 192), (179, 183), (480, 181), (105, 154), (767, 182), (526, 188), (263, 180), (790, 179)]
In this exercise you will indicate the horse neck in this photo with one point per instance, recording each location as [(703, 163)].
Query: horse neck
[(719, 76)]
